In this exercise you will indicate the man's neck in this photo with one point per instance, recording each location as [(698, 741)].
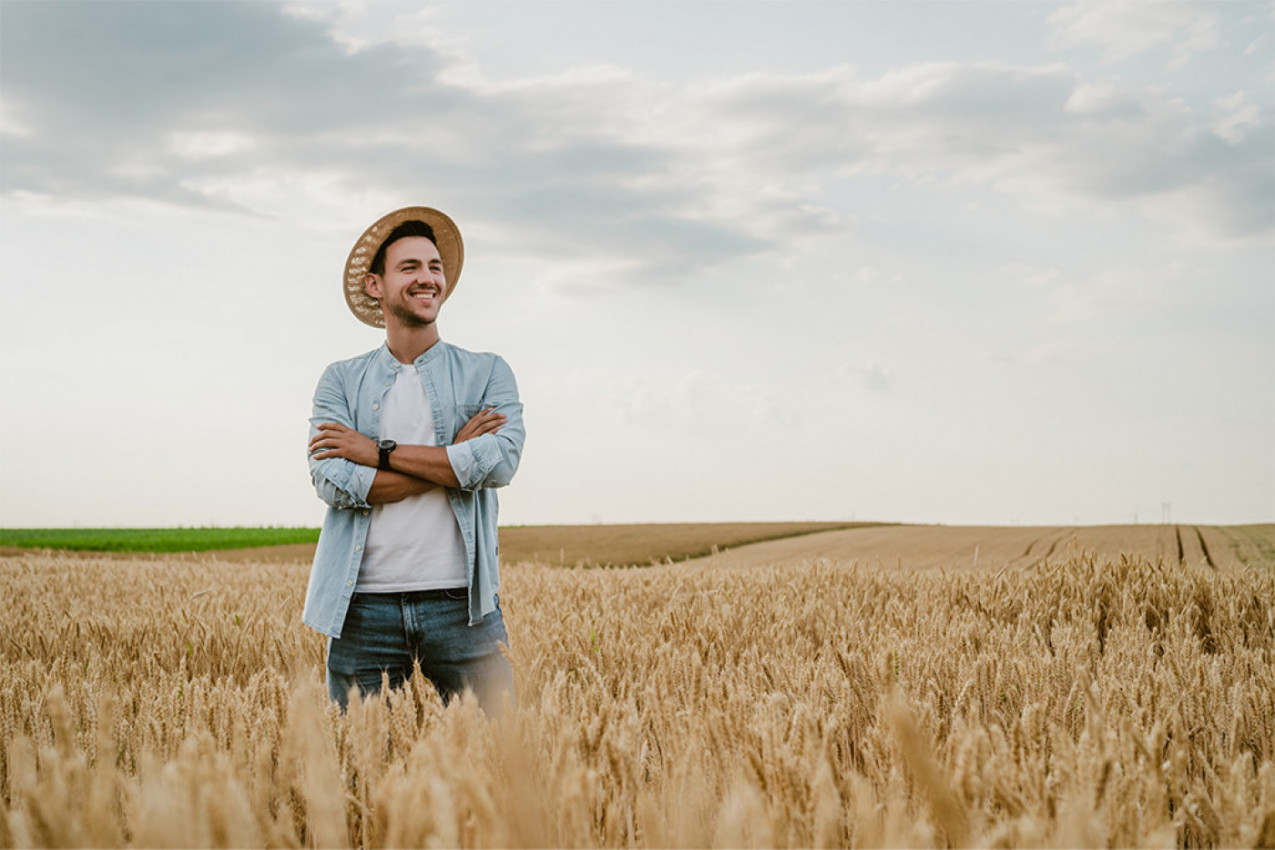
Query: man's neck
[(406, 344)]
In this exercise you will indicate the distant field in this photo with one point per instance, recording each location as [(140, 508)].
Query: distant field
[(1253, 544), (644, 543), (566, 545), (959, 547), (153, 539), (757, 543)]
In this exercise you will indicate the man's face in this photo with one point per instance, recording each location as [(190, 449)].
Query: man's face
[(412, 289)]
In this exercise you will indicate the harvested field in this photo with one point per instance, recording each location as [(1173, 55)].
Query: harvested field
[(923, 547), (1253, 544), (643, 544), (1072, 701)]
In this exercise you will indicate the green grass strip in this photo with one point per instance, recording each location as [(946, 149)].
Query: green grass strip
[(154, 539)]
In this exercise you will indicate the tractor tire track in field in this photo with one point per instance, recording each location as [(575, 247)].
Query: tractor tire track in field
[(1054, 537), (1204, 547), (1191, 546), (1061, 536)]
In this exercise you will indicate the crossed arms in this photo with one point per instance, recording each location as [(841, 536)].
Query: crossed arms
[(413, 469), (484, 453)]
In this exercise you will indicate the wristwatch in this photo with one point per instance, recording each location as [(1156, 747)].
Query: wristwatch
[(385, 447)]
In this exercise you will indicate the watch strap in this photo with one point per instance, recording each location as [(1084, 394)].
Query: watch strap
[(383, 448)]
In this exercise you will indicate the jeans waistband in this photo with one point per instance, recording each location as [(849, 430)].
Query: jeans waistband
[(432, 594)]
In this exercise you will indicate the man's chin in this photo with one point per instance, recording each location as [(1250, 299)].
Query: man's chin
[(411, 320)]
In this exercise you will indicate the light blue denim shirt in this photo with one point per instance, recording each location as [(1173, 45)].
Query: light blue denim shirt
[(458, 383)]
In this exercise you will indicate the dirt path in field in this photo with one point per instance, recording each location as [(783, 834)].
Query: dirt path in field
[(923, 547)]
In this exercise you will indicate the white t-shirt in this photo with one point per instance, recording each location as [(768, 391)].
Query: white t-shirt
[(413, 544)]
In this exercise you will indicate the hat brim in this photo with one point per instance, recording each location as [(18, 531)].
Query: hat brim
[(446, 237)]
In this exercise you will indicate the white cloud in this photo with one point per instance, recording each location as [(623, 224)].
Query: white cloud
[(1235, 116), (1126, 28), (872, 376), (10, 123), (1105, 99), (1035, 277), (1041, 354), (1124, 291), (210, 145)]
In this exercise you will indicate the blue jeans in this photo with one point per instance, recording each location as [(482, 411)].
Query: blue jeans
[(388, 632)]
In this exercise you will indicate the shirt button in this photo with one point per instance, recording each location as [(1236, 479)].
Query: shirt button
[(349, 583), (376, 406), (366, 512), (358, 548)]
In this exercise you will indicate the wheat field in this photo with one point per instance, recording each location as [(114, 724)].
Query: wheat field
[(1081, 702)]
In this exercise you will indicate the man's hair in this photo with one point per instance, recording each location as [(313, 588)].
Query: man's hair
[(407, 228)]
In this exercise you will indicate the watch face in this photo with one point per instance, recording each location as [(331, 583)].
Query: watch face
[(387, 445)]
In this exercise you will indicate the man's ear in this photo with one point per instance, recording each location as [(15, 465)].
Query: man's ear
[(372, 285)]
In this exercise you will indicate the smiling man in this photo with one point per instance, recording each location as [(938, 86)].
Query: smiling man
[(407, 443)]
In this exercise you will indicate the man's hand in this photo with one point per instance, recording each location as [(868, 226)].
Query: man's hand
[(483, 422), (336, 440)]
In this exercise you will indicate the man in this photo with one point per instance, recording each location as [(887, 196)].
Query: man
[(407, 443)]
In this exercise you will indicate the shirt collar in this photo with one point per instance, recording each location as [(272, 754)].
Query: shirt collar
[(391, 362)]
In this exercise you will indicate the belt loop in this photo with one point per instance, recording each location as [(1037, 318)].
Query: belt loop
[(405, 606)]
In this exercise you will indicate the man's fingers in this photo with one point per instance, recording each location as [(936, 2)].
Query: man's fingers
[(483, 418), (477, 429), (487, 413), (328, 430)]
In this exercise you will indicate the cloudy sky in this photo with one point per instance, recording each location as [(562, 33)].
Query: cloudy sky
[(935, 262)]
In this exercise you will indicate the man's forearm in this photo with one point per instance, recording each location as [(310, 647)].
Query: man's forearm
[(429, 463), (389, 486)]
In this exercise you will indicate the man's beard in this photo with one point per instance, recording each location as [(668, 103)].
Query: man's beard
[(409, 319)]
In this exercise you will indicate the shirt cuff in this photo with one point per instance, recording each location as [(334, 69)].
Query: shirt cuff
[(473, 459), (361, 481)]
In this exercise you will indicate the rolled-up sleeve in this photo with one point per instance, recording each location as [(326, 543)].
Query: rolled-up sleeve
[(339, 482), (492, 459)]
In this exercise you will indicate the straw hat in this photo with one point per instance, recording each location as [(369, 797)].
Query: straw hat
[(446, 237)]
